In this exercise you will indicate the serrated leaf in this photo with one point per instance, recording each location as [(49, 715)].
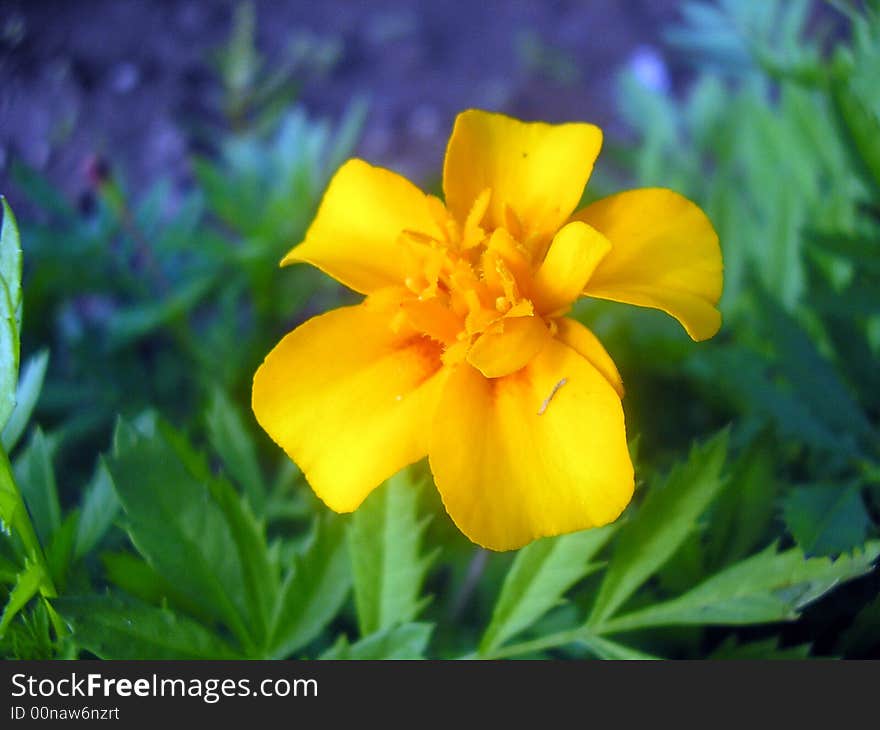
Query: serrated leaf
[(14, 516), (36, 479), (744, 509), (815, 381), (136, 577), (540, 575), (233, 443), (181, 531), (765, 588), (59, 552), (385, 545), (258, 570), (27, 585), (826, 519), (111, 627), (661, 525), (313, 591), (861, 129), (100, 507), (405, 641), (612, 650), (28, 391)]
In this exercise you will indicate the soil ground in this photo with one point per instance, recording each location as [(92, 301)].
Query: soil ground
[(126, 78)]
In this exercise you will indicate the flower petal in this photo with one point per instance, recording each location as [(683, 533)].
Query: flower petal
[(349, 401), (536, 171), (573, 255), (664, 254), (354, 236), (537, 453), (501, 352), (587, 345)]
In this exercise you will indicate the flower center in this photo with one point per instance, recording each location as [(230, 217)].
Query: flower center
[(466, 282)]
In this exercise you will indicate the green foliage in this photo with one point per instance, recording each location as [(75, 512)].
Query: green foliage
[(10, 311), (314, 590), (201, 540), (114, 628), (826, 520), (768, 587), (385, 544), (540, 575), (405, 641), (665, 519)]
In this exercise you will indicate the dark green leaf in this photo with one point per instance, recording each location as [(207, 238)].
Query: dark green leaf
[(111, 627), (177, 526), (404, 641), (826, 519), (765, 588), (313, 591)]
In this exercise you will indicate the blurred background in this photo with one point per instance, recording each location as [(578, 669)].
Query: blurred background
[(161, 158), (131, 80)]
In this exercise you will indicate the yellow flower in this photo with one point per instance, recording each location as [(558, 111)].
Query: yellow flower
[(462, 350)]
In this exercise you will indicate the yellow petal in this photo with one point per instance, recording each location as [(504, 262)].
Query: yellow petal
[(573, 255), (536, 171), (541, 452), (664, 254), (510, 348), (354, 237), (349, 401), (586, 344)]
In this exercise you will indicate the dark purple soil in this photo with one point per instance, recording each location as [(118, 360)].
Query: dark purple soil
[(128, 79)]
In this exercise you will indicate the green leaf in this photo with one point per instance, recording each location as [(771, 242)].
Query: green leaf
[(138, 578), (385, 545), (861, 130), (607, 649), (259, 570), (765, 588), (29, 386), (744, 510), (10, 311), (59, 552), (813, 378), (540, 575), (761, 649), (100, 507), (313, 591), (233, 442), (27, 585), (143, 318), (36, 479), (14, 516), (826, 519), (111, 627), (181, 531), (405, 641), (663, 522)]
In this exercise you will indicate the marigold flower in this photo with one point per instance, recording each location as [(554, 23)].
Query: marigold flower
[(461, 350)]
